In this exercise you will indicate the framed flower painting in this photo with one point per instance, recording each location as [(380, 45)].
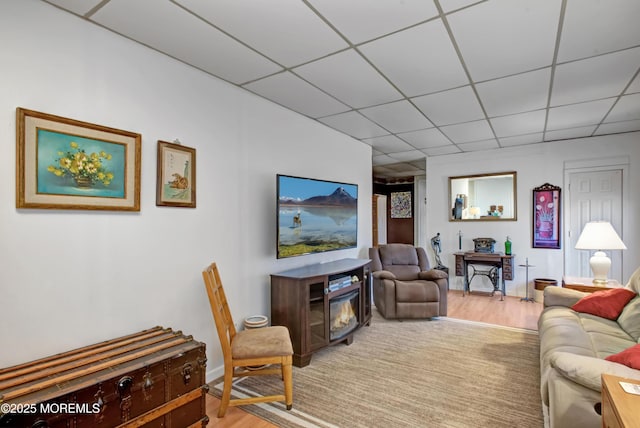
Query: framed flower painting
[(546, 216), (64, 163)]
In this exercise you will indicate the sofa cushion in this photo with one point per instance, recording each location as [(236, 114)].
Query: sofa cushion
[(630, 357), (629, 319), (606, 303)]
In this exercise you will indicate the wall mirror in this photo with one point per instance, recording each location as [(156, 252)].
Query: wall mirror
[(483, 197)]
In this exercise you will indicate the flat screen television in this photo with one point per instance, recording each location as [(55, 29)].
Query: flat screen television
[(315, 216)]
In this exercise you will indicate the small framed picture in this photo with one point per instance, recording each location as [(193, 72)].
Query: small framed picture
[(401, 205), (176, 182), (64, 163)]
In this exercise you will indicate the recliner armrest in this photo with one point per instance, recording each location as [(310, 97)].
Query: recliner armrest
[(433, 275), (383, 274), (587, 371)]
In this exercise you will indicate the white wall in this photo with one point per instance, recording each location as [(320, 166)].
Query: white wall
[(535, 165), (72, 278)]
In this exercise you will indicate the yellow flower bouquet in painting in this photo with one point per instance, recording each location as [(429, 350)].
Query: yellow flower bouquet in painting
[(85, 169)]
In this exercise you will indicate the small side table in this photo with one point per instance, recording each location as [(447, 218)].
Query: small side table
[(619, 408), (586, 285)]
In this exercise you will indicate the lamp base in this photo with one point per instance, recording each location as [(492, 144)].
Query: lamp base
[(600, 282), (600, 265)]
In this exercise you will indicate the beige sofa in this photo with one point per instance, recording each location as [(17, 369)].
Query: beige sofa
[(573, 348)]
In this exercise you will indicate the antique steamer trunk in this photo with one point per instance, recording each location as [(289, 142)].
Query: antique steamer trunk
[(154, 378)]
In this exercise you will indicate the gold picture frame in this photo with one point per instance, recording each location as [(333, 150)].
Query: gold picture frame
[(63, 163), (176, 180)]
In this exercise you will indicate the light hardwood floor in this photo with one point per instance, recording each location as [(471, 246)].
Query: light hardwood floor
[(477, 306)]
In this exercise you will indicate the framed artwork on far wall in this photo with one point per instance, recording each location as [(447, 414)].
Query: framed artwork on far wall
[(401, 205), (176, 182), (64, 163), (546, 216)]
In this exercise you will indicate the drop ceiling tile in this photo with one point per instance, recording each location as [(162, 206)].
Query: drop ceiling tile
[(425, 138), (403, 167), (515, 94), (599, 77), (518, 124), (388, 144), (287, 31), (174, 31), (593, 27), (450, 5), (449, 107), (383, 160), (467, 132), (627, 108), (294, 93), (514, 36), (443, 150), (420, 163), (399, 116), (479, 145), (635, 86), (577, 115), (349, 78), (419, 60), (80, 7), (564, 134), (520, 140), (382, 171), (616, 127), (362, 20), (354, 124), (411, 155)]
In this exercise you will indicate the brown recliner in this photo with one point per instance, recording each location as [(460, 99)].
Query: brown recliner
[(403, 284)]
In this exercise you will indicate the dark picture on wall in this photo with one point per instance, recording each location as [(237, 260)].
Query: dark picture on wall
[(315, 216)]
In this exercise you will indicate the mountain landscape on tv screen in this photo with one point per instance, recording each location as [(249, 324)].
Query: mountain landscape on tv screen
[(340, 197)]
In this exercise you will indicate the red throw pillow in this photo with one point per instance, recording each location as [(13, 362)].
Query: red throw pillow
[(605, 303), (629, 357)]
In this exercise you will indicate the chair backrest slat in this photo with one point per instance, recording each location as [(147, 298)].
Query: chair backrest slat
[(220, 308)]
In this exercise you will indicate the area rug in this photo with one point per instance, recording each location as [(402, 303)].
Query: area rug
[(440, 373)]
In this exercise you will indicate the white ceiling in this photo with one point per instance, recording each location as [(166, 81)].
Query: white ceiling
[(411, 78)]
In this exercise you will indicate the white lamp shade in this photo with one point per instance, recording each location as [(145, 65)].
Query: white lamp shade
[(599, 235)]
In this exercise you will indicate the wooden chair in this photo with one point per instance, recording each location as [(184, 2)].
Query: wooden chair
[(248, 348)]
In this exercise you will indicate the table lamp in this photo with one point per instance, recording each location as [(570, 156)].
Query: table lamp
[(599, 235)]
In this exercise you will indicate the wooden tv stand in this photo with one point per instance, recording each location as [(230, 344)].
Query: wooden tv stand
[(301, 300)]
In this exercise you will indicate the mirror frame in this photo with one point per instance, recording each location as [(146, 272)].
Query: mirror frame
[(514, 175)]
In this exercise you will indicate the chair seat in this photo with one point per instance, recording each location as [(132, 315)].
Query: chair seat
[(417, 291), (261, 342)]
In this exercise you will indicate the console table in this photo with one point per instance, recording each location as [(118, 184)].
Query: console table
[(499, 261), (312, 300), (586, 285)]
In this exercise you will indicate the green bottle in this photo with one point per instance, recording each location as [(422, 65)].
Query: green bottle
[(507, 247)]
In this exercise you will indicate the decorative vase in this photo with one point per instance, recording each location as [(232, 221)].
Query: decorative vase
[(83, 182), (546, 229)]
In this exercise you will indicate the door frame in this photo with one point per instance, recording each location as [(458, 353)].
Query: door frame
[(592, 165)]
